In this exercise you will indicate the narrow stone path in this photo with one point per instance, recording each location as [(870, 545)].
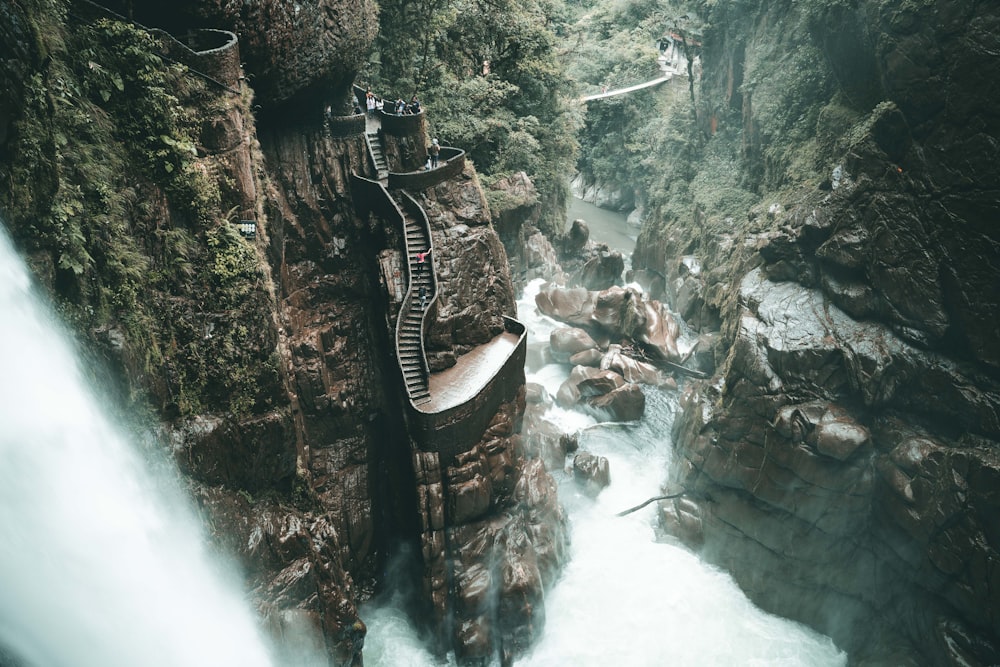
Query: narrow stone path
[(463, 381)]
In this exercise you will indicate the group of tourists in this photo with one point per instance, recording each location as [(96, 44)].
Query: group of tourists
[(374, 104), (411, 107)]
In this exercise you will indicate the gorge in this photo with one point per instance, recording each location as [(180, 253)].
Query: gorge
[(233, 250)]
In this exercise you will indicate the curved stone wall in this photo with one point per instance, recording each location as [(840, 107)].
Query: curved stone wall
[(453, 164), (214, 53), (346, 126), (456, 430)]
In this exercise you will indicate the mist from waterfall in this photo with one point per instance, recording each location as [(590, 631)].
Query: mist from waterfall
[(102, 562)]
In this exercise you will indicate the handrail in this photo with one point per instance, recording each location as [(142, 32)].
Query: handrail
[(416, 210), (401, 125), (391, 212), (421, 179)]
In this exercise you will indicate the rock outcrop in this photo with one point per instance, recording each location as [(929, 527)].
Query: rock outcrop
[(842, 462), (290, 48)]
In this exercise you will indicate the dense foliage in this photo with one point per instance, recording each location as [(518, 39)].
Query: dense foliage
[(102, 186), (488, 74), (780, 120)]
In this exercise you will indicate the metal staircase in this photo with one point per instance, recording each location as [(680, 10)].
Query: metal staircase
[(378, 153), (409, 331)]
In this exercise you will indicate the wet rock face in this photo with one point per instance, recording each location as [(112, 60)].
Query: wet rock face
[(839, 458), (295, 571), (506, 538), (859, 488), (474, 282), (288, 47)]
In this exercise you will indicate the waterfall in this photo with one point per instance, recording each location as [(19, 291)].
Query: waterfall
[(102, 562)]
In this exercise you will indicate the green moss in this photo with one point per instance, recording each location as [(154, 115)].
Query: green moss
[(100, 183)]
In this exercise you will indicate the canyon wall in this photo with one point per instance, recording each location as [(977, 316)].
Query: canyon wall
[(843, 461), (214, 268)]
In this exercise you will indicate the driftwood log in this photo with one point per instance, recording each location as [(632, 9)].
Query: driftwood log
[(651, 500)]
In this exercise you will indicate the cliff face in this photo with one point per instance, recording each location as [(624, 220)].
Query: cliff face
[(843, 462), (265, 358)]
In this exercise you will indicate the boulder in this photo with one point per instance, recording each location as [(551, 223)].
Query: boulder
[(577, 236), (659, 331), (567, 341), (536, 394), (840, 438), (630, 369), (572, 305), (601, 271), (590, 357), (599, 382), (592, 473), (619, 310), (626, 403)]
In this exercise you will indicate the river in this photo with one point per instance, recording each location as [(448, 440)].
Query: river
[(626, 599)]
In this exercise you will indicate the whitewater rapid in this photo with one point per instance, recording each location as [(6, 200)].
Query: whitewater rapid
[(102, 562)]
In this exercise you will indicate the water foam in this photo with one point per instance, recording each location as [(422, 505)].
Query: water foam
[(101, 563)]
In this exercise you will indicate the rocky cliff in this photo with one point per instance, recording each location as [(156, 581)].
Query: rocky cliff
[(843, 461), (214, 264)]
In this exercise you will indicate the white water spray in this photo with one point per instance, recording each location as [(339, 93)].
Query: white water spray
[(101, 563)]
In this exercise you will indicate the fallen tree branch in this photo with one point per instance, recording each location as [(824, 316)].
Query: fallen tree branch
[(685, 370), (651, 500)]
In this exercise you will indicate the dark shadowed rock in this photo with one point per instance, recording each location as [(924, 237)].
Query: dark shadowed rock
[(625, 403), (577, 237), (288, 47), (601, 271), (592, 473)]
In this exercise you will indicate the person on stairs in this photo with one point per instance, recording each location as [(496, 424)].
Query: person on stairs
[(422, 261), (423, 298)]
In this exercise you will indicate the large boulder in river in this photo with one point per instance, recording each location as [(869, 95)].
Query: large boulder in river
[(594, 381), (623, 404), (592, 473), (577, 237), (601, 271), (572, 305), (630, 369), (591, 357), (619, 310), (625, 313), (567, 341), (659, 331)]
